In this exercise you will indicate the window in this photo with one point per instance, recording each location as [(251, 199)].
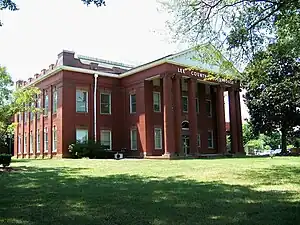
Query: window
[(106, 138), (31, 111), (132, 103), (105, 103), (197, 105), (19, 143), (46, 104), (19, 117), (184, 103), (81, 101), (208, 108), (207, 89), (82, 135), (156, 102), (31, 142), (210, 139), (39, 107), (25, 117), (198, 140), (25, 143), (54, 100), (38, 141), (54, 139), (45, 139), (158, 138), (133, 139)]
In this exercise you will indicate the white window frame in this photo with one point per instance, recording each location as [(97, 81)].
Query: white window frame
[(187, 103), (38, 141), (86, 103), (19, 143), (210, 107), (130, 103), (212, 139), (110, 138), (30, 142), (46, 139), (198, 140), (131, 139), (155, 103), (46, 104), (25, 143), (39, 103), (109, 103), (54, 100), (160, 142), (86, 131), (54, 139)]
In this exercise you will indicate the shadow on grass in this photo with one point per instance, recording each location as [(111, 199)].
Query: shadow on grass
[(61, 196), (275, 175)]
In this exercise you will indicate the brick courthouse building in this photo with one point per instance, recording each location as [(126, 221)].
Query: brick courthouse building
[(161, 108)]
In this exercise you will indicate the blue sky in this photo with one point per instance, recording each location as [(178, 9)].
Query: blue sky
[(129, 31)]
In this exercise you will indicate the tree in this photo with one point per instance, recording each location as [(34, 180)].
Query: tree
[(11, 5), (272, 83), (244, 27), (248, 133), (12, 102)]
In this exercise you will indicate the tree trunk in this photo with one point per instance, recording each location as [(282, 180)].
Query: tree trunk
[(283, 141)]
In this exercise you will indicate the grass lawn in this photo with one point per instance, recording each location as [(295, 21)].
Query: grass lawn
[(159, 192)]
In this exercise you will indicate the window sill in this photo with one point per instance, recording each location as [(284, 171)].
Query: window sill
[(105, 114)]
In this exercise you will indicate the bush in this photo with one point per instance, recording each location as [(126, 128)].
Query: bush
[(89, 149), (5, 159)]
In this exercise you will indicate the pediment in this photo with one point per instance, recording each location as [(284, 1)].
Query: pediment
[(205, 58)]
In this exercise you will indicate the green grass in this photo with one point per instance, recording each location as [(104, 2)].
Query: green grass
[(159, 192)]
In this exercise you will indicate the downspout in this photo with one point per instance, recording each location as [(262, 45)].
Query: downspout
[(95, 108)]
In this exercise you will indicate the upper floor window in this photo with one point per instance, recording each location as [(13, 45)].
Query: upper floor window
[(39, 104), (81, 101), (133, 103), (25, 117), (208, 108), (185, 103), (105, 103), (156, 102), (19, 117), (31, 110), (46, 104), (54, 100)]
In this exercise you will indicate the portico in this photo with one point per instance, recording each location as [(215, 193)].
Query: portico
[(194, 115)]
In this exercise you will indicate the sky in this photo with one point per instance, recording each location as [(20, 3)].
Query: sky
[(128, 31)]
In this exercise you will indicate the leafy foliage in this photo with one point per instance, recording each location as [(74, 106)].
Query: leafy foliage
[(244, 27), (273, 91), (5, 159), (11, 103), (11, 5)]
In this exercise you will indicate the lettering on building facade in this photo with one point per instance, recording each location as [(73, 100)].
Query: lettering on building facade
[(202, 76)]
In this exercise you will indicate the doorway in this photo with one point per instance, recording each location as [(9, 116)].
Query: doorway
[(186, 144)]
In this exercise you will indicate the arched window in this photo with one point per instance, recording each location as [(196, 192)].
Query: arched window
[(185, 125)]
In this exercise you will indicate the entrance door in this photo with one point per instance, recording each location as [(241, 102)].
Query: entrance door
[(186, 144)]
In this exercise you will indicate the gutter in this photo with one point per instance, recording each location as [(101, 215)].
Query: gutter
[(95, 108)]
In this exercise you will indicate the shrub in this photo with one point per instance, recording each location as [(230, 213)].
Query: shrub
[(5, 159), (89, 149)]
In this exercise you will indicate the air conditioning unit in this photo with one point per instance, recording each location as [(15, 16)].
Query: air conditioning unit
[(119, 156)]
